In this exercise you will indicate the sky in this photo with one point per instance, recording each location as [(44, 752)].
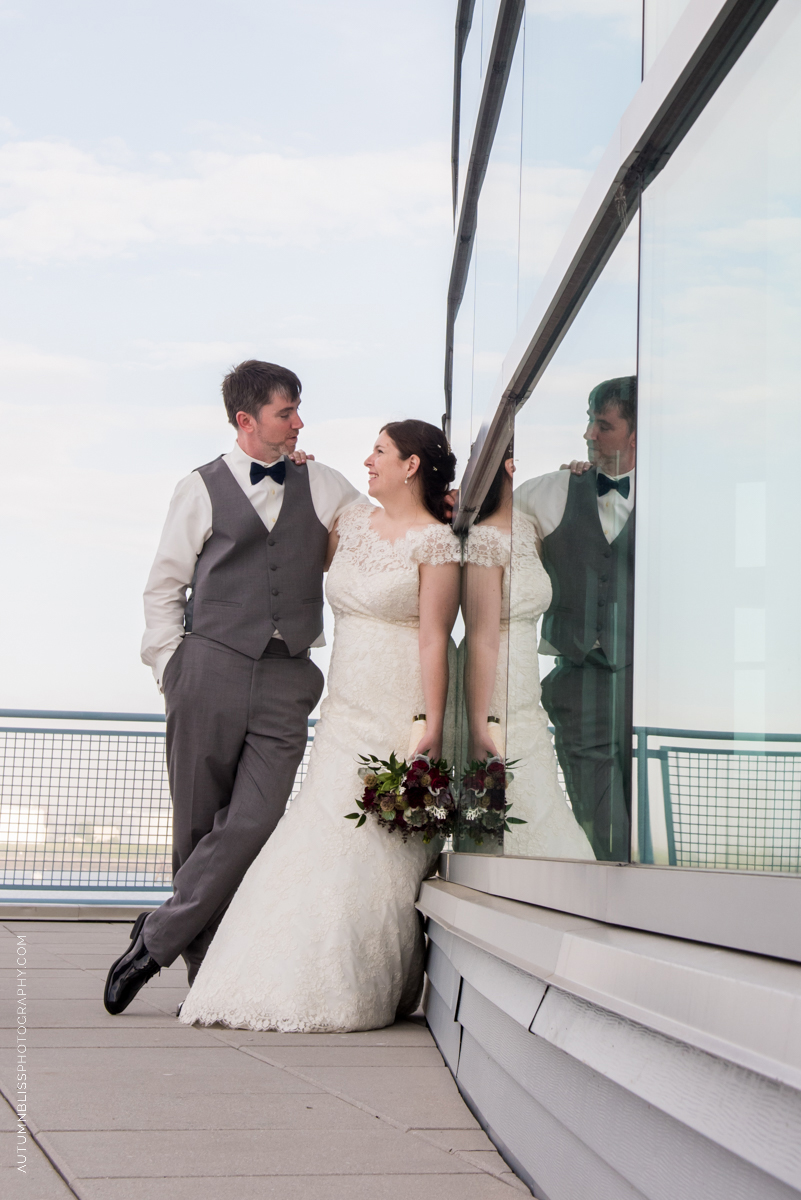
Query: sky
[(183, 186)]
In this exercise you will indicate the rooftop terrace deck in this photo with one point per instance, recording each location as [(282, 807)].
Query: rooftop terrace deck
[(140, 1106)]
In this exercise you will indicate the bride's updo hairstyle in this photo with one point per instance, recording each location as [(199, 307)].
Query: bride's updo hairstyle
[(437, 465)]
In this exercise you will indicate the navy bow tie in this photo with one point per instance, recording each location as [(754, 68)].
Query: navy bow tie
[(605, 484), (277, 472)]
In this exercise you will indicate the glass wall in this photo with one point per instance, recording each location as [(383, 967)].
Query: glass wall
[(718, 649), (582, 66), (547, 598), (659, 21), (572, 75), (474, 66), (495, 252), (609, 711)]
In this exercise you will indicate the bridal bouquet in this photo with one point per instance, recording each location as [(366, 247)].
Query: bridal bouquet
[(484, 811), (412, 798)]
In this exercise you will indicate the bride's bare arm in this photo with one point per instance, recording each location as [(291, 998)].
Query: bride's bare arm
[(439, 604), (481, 606)]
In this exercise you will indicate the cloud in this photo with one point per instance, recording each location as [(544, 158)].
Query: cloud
[(22, 361), (59, 202)]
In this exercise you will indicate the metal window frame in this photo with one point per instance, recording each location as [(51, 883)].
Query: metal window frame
[(464, 22), (707, 41), (499, 65)]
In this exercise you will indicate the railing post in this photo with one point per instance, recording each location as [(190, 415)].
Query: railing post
[(645, 844)]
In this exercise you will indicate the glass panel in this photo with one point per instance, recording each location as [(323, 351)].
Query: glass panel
[(571, 78), (474, 66), (572, 560), (555, 546), (463, 427), (718, 646), (581, 69), (496, 246), (659, 19), (484, 656)]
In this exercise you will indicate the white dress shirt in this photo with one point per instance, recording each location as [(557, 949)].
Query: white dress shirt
[(544, 499), (188, 527)]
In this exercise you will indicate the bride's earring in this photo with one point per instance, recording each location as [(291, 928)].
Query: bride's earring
[(406, 480)]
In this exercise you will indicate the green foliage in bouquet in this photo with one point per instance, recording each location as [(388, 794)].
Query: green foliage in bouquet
[(407, 798), (484, 812)]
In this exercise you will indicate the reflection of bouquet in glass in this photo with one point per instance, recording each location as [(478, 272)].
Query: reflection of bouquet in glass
[(412, 798), (484, 811)]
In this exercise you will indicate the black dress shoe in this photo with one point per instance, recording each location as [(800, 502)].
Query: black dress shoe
[(130, 972)]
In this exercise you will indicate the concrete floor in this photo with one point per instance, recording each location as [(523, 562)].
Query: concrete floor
[(140, 1106)]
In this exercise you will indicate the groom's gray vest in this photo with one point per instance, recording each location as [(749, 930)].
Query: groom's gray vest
[(593, 581), (249, 581)]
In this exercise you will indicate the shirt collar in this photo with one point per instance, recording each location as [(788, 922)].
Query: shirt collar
[(239, 454)]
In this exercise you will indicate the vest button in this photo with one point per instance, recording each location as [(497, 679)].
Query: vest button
[(275, 591), (604, 578), (273, 567), (607, 553), (598, 628), (270, 541), (601, 603)]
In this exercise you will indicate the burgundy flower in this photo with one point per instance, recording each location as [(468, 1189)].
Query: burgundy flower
[(416, 796)]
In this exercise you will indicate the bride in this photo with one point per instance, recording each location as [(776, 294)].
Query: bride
[(322, 935), (506, 590)]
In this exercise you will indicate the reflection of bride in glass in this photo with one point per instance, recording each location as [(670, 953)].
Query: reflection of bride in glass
[(505, 591)]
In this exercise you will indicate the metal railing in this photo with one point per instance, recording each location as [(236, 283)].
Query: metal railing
[(87, 808), (731, 808)]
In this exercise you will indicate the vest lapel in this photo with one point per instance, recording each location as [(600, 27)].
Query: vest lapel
[(236, 497)]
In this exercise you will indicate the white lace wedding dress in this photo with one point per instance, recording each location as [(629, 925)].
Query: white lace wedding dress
[(322, 935), (551, 831)]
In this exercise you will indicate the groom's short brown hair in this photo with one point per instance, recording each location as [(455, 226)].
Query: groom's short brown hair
[(251, 385)]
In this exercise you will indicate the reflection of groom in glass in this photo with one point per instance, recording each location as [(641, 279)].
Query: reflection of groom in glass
[(588, 551)]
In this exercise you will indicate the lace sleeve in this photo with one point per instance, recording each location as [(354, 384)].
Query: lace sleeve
[(353, 521), (524, 535), (488, 546), (435, 546)]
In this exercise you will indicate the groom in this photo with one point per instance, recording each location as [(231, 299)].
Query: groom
[(246, 537), (586, 527)]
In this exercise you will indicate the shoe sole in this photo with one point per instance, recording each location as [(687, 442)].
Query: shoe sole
[(135, 931)]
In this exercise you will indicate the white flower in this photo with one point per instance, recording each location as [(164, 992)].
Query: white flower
[(439, 813)]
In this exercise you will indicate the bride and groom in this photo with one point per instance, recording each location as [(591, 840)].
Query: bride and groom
[(295, 922)]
